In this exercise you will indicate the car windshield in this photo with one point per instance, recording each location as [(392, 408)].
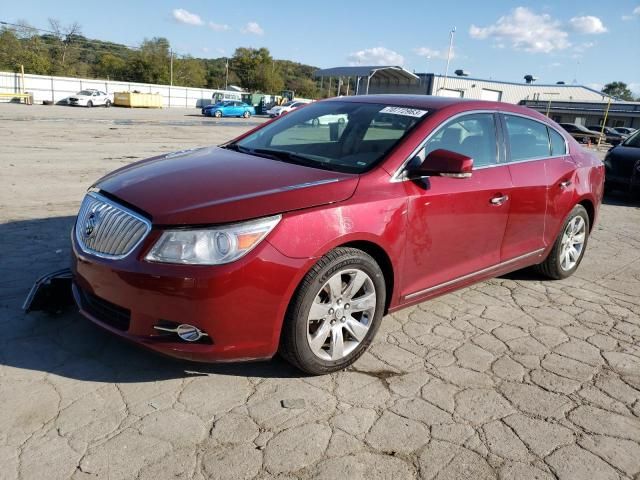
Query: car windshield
[(349, 137), (633, 140)]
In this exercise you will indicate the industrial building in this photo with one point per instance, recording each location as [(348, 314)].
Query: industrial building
[(563, 102)]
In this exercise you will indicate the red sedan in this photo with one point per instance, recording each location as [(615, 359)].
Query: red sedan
[(298, 236)]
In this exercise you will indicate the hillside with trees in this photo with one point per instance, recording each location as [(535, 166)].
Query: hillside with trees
[(64, 51)]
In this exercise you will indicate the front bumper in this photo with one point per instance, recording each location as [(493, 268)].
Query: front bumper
[(240, 305)]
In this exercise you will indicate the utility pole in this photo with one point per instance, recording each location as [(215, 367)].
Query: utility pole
[(446, 71), (226, 73), (171, 67)]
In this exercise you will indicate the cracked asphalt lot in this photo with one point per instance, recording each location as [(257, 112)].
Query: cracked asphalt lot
[(513, 378)]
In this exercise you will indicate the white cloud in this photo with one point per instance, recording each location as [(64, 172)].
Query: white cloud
[(181, 15), (596, 86), (218, 27), (587, 24), (583, 47), (525, 30), (634, 13), (375, 56), (635, 86), (253, 28), (433, 53)]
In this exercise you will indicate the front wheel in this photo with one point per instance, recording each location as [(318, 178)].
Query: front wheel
[(568, 249), (89, 104), (335, 312), (218, 114)]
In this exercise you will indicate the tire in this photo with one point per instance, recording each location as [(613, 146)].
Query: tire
[(107, 104), (554, 266), (344, 265), (89, 104), (217, 114), (315, 122), (246, 114)]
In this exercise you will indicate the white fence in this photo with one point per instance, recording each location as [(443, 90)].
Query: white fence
[(57, 89)]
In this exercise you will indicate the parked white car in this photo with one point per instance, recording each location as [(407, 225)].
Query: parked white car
[(285, 108), (328, 119), (90, 98)]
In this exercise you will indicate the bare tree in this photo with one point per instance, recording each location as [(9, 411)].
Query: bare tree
[(64, 34)]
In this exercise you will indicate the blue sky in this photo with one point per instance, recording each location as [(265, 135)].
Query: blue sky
[(594, 42)]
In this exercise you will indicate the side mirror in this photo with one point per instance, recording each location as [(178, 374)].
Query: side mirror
[(443, 163)]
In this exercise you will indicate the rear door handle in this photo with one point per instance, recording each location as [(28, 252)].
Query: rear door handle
[(499, 200), (565, 184)]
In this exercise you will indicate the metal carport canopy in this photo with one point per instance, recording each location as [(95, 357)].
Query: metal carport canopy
[(382, 72)]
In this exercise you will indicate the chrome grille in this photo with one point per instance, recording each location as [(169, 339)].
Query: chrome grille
[(109, 230)]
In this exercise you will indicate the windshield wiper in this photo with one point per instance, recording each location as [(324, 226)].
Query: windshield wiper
[(236, 148), (286, 156)]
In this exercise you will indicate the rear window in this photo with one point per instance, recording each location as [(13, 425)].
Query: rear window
[(528, 139)]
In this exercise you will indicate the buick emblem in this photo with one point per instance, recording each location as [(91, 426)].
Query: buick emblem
[(91, 225)]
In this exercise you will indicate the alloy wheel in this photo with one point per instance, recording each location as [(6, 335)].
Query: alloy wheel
[(341, 314), (573, 239)]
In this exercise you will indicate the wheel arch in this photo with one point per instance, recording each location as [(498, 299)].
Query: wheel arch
[(383, 260), (591, 211)]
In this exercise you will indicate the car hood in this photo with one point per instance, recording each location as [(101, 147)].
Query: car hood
[(622, 152), (214, 185)]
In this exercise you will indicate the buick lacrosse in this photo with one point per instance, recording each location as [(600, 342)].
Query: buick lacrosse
[(300, 235)]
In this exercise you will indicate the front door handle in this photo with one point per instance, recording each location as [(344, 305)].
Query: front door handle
[(499, 200)]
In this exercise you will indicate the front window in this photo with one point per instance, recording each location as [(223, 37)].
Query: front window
[(473, 135), (633, 140), (87, 93), (348, 137)]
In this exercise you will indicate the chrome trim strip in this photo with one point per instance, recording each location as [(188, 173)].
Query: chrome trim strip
[(137, 216), (470, 275)]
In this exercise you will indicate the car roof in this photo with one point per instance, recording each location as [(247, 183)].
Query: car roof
[(431, 102)]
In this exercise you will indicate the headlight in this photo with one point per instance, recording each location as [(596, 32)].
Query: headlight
[(211, 246)]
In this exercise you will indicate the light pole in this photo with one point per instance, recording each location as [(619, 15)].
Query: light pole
[(171, 67), (226, 73), (549, 102), (446, 71)]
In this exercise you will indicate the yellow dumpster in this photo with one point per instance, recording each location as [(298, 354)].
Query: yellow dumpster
[(137, 100)]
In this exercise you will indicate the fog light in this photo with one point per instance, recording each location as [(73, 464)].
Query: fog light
[(186, 332), (189, 333)]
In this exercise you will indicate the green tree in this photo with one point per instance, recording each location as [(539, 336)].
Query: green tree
[(189, 72), (250, 64), (110, 66), (150, 64), (10, 50), (62, 39), (304, 87), (619, 90)]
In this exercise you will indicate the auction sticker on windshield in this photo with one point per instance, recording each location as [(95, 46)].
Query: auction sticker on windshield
[(407, 112)]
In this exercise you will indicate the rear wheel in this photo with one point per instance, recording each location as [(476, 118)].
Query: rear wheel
[(246, 114), (568, 249), (107, 104), (335, 312)]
